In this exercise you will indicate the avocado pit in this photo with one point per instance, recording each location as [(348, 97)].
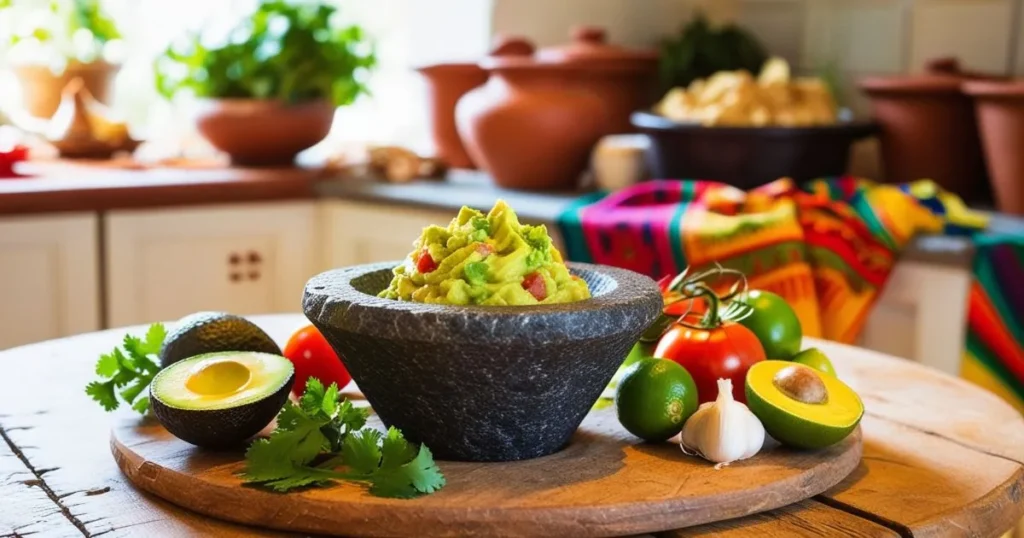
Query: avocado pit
[(801, 384), (218, 377)]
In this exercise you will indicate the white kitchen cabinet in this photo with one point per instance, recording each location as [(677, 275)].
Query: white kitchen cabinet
[(921, 315), (241, 258), (357, 232), (49, 284)]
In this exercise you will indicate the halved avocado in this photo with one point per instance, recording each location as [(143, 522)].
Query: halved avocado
[(219, 400), (212, 332), (802, 407)]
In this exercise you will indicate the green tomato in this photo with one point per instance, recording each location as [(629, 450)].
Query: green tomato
[(774, 323), (814, 358)]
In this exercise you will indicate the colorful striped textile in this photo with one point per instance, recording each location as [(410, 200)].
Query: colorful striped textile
[(827, 246)]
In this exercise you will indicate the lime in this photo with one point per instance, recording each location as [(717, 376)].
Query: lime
[(814, 358), (654, 398)]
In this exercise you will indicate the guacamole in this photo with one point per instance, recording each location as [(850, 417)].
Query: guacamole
[(487, 259)]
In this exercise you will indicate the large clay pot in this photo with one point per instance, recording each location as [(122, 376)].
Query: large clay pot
[(624, 79), (928, 132), (256, 132), (446, 84), (533, 125), (1000, 107), (41, 88)]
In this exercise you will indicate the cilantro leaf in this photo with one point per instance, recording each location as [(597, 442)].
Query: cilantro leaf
[(476, 272), (321, 429), (141, 405), (107, 366), (395, 450), (103, 392), (361, 452), (154, 339), (130, 368)]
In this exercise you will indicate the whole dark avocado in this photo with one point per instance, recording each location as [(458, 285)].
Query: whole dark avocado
[(213, 332)]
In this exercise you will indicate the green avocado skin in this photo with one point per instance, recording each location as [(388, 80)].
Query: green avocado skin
[(221, 429), (213, 332), (792, 430)]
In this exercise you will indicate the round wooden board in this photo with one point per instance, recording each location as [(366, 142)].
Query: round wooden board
[(605, 483)]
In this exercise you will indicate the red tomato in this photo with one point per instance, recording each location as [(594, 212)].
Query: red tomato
[(726, 351), (314, 357), (534, 283), (425, 263)]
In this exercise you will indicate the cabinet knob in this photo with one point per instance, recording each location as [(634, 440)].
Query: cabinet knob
[(234, 259), (254, 257), (234, 276), (254, 275)]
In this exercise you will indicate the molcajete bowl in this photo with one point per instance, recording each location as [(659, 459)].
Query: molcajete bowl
[(474, 383)]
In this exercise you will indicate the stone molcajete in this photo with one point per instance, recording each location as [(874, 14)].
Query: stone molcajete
[(482, 383)]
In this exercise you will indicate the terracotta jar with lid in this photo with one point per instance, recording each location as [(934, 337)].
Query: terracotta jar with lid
[(533, 124), (624, 79), (1000, 108)]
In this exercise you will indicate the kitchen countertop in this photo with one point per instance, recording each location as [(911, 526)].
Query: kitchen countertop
[(74, 187)]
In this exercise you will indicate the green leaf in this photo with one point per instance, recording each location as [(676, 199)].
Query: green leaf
[(395, 450), (329, 405), (141, 405), (155, 337), (103, 393), (132, 391), (360, 451), (350, 417), (281, 454), (476, 272), (421, 475), (312, 398), (107, 366)]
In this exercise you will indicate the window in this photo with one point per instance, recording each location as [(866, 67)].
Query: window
[(407, 33)]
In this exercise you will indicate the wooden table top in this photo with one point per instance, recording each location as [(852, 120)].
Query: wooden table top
[(941, 457)]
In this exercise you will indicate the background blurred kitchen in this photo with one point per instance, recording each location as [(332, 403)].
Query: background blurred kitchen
[(862, 158)]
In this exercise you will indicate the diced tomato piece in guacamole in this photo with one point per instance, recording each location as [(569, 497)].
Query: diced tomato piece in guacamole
[(425, 263), (534, 283)]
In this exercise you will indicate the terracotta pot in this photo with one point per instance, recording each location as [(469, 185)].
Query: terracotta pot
[(928, 132), (446, 84), (532, 126), (41, 88), (624, 79), (257, 132), (1000, 107)]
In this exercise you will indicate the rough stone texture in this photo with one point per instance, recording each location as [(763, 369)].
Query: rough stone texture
[(482, 383), (213, 332)]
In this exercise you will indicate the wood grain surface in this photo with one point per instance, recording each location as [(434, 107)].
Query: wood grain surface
[(941, 457), (604, 483)]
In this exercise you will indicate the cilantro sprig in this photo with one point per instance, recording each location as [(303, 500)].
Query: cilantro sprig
[(323, 439), (127, 371)]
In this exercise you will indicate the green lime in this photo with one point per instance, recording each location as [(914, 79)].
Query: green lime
[(654, 398), (814, 358)]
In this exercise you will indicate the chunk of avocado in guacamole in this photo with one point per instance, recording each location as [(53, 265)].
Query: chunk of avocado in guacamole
[(487, 259)]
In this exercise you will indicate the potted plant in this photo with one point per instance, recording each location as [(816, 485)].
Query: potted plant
[(270, 88), (49, 47)]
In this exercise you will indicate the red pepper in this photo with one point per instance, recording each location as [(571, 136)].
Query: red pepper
[(425, 263), (534, 283)]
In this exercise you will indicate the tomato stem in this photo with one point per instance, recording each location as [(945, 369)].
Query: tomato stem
[(699, 289)]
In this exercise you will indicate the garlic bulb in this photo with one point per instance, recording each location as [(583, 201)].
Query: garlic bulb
[(723, 431)]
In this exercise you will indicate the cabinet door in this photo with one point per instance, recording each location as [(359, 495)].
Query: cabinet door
[(357, 233), (921, 315), (49, 283), (244, 259)]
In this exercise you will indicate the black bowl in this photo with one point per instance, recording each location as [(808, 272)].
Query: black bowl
[(748, 157), (478, 383)]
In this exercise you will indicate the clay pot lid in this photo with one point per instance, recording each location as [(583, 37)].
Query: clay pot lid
[(589, 44), (988, 88), (587, 51), (931, 83)]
